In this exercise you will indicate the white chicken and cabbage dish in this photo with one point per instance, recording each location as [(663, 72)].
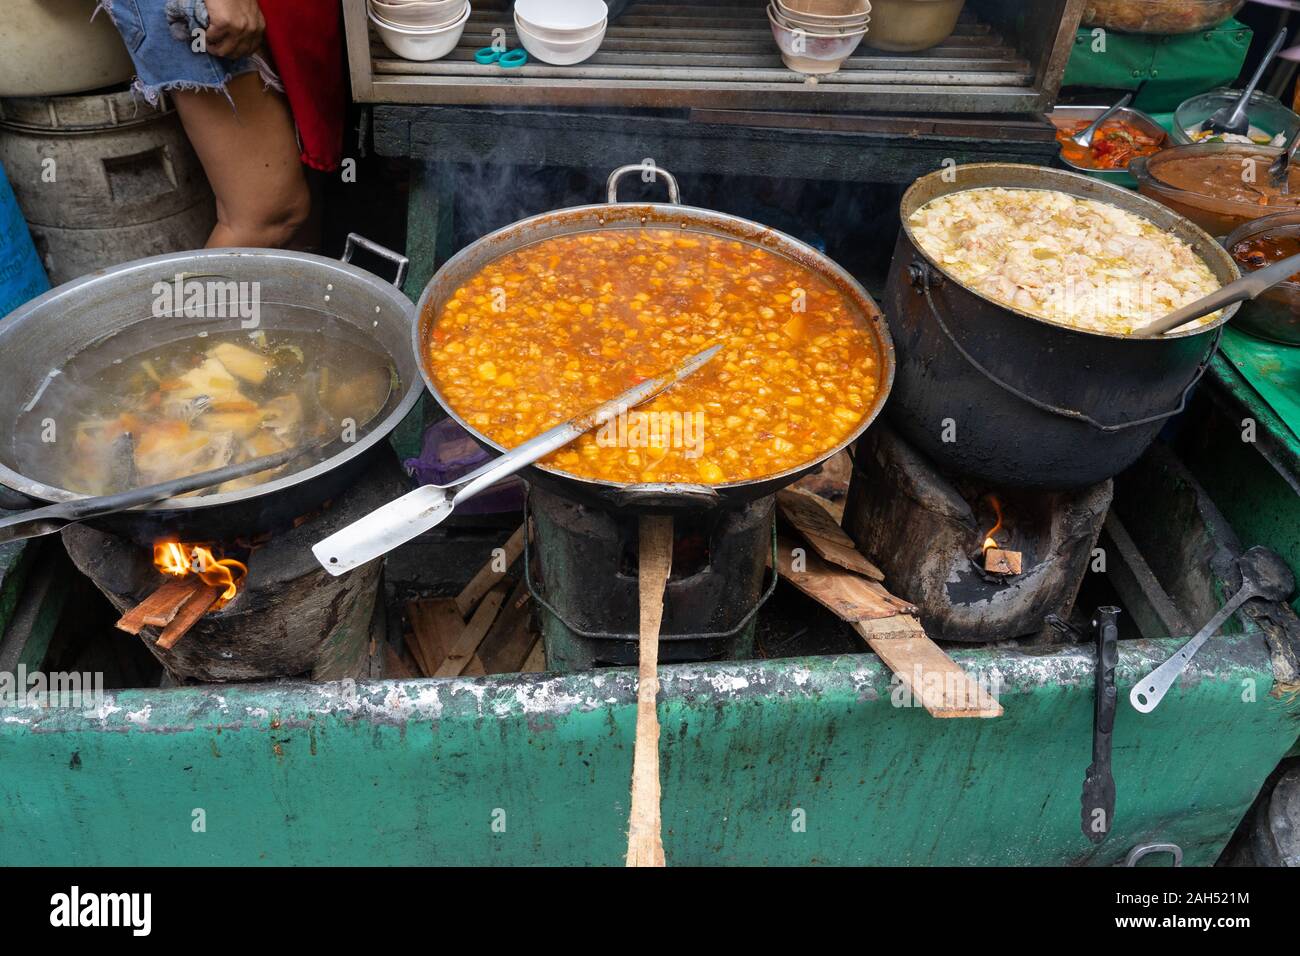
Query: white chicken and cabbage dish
[(1072, 261)]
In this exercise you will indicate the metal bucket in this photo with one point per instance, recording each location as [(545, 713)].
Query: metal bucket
[(997, 394), (298, 291)]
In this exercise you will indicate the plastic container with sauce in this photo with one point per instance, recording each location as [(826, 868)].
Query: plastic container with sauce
[(1265, 113), (1216, 214), (1158, 16), (1275, 313)]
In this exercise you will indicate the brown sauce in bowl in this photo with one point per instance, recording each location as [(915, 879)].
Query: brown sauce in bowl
[(1260, 251), (1233, 177)]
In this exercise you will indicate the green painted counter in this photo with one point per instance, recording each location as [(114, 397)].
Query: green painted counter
[(417, 772)]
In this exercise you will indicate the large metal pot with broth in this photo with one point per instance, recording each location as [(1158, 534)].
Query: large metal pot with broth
[(616, 215), (995, 393), (117, 313)]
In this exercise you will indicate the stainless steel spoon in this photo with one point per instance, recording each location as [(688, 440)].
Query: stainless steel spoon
[(1084, 136), (1233, 119), (1247, 287), (429, 505), (1263, 574)]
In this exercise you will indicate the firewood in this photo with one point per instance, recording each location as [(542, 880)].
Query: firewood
[(644, 834), (1002, 561), (930, 675), (848, 596), (466, 644), (488, 576), (508, 641), (160, 607), (198, 605), (435, 625), (536, 661), (807, 515)]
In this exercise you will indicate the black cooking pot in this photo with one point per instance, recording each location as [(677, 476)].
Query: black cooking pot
[(997, 394)]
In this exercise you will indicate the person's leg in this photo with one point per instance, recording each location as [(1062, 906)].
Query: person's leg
[(250, 155)]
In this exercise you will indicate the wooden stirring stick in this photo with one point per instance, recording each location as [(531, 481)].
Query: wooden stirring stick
[(644, 843)]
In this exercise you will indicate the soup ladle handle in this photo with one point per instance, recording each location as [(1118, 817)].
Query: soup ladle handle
[(1247, 287)]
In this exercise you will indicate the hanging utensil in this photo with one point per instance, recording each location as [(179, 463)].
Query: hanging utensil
[(1247, 287), (1279, 171), (52, 518), (1098, 799), (429, 505), (1233, 119), (1084, 137), (1263, 574)]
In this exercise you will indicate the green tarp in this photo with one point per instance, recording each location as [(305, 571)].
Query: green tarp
[(1162, 70)]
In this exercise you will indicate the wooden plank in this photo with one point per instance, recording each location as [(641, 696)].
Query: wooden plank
[(466, 645), (511, 637), (846, 595), (536, 661), (815, 525), (930, 675), (397, 666), (487, 575), (644, 838), (160, 607), (198, 605), (435, 625)]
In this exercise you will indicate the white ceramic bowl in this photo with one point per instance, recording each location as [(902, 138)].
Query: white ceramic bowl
[(558, 52), (561, 19), (418, 13), (818, 12), (819, 29), (806, 52), (421, 43)]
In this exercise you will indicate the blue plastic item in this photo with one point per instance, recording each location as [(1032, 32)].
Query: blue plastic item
[(22, 277)]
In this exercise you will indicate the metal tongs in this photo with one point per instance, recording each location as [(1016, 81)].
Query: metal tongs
[(1279, 170), (52, 518), (429, 505)]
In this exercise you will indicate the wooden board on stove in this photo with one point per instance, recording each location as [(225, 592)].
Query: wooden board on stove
[(932, 677), (848, 596), (806, 513)]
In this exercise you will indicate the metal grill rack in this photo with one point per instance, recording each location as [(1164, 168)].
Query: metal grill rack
[(1005, 57)]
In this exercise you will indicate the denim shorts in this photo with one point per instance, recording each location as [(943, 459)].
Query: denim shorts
[(159, 34)]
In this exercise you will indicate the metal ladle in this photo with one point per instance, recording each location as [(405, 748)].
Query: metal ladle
[(1233, 119), (1084, 136), (1247, 287), (1264, 575), (426, 507)]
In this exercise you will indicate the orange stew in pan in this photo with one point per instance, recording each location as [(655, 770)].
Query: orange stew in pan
[(1113, 145), (557, 327)]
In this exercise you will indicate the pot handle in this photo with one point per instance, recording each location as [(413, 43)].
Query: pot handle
[(400, 261), (924, 279), (649, 170), (670, 497)]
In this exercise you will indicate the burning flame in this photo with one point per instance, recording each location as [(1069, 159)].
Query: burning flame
[(989, 540), (178, 560)]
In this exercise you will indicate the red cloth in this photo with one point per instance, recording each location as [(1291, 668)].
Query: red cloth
[(305, 38)]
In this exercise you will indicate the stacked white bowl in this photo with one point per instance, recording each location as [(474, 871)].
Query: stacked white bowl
[(817, 36), (561, 32), (419, 29)]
